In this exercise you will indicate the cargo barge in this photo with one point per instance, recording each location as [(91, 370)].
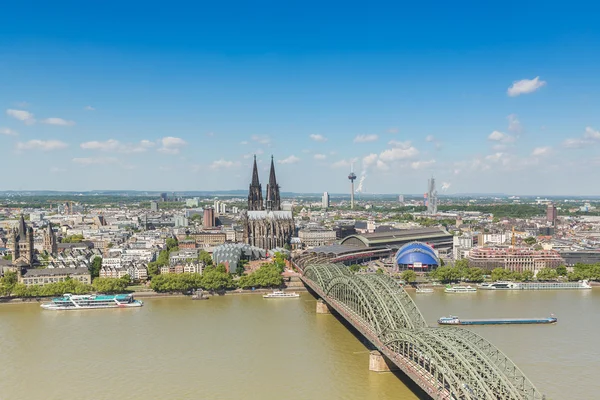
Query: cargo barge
[(453, 320)]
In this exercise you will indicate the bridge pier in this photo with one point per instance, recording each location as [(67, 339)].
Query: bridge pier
[(378, 363), (322, 307)]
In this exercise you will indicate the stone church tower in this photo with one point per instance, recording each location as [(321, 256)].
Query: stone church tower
[(50, 243), (273, 198), (255, 199), (22, 243)]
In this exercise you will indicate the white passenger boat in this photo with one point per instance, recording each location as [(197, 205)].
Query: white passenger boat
[(505, 285), (91, 301), (460, 289), (279, 294)]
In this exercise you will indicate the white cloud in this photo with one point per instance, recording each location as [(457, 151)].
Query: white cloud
[(341, 164), (289, 160), (397, 143), (115, 145), (430, 138), (382, 166), (171, 145), (8, 131), (525, 86), (393, 130), (369, 160), (399, 153), (224, 164), (495, 157), (45, 145), (365, 138), (21, 115), (244, 142), (446, 186), (95, 160), (590, 133), (56, 170), (262, 139), (541, 151), (89, 108), (318, 138), (422, 164), (514, 125), (58, 121), (319, 156), (498, 136)]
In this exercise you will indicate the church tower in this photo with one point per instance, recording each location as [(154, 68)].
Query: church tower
[(255, 200), (22, 243), (50, 244), (273, 198)]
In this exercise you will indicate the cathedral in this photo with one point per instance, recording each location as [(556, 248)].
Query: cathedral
[(266, 225)]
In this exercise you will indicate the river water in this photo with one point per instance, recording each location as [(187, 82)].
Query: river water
[(245, 347)]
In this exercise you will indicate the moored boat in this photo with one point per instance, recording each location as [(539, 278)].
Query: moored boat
[(280, 294), (506, 285), (454, 320), (91, 301), (460, 289), (424, 290)]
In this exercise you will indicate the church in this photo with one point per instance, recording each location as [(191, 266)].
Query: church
[(266, 225)]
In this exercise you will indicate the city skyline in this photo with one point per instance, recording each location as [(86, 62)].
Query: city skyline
[(163, 102)]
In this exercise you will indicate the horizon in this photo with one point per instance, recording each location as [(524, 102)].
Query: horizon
[(143, 98)]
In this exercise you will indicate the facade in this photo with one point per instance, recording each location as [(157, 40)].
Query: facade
[(209, 238), (266, 225), (551, 214), (154, 206), (394, 239), (208, 219), (312, 237), (52, 275), (580, 257), (181, 256), (325, 200), (416, 256), (514, 259), (22, 244), (136, 271), (431, 199)]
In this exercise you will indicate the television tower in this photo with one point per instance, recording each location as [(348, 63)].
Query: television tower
[(352, 178)]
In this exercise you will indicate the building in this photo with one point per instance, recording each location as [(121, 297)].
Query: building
[(208, 219), (312, 237), (209, 238), (163, 197), (50, 242), (181, 256), (551, 214), (231, 254), (514, 259), (581, 257), (394, 239), (266, 226), (401, 198), (325, 200), (52, 275), (195, 202), (416, 256), (154, 206), (181, 221), (431, 199), (21, 239)]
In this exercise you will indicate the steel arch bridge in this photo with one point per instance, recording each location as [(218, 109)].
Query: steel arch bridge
[(447, 362)]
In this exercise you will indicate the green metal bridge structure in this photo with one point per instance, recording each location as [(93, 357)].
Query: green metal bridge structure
[(448, 363)]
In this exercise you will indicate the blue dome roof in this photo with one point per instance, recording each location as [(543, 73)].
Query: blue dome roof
[(416, 252)]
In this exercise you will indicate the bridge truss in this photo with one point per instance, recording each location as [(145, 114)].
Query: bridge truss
[(446, 362)]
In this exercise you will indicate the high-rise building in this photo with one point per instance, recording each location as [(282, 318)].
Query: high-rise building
[(352, 178), (154, 206), (266, 227), (208, 220), (401, 198), (163, 197), (325, 200), (551, 214), (431, 200)]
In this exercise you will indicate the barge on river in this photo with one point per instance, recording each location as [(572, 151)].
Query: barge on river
[(453, 320)]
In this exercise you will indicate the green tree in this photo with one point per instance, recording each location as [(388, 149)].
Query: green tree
[(8, 282), (546, 274), (354, 268), (204, 257), (153, 269), (268, 275), (561, 270), (171, 244), (95, 266), (72, 239), (111, 285), (379, 271), (501, 274), (447, 274), (474, 274), (527, 275), (409, 276), (530, 240), (221, 268), (7, 257), (215, 280)]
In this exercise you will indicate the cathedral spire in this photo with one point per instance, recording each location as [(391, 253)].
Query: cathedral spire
[(22, 226), (273, 198), (255, 199)]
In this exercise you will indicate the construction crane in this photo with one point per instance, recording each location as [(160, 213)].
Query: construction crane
[(513, 239)]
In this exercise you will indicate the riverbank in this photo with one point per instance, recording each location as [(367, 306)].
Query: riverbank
[(152, 294)]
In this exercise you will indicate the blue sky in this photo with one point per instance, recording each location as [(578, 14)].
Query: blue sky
[(178, 96)]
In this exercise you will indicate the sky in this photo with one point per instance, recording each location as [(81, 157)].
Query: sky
[(178, 96)]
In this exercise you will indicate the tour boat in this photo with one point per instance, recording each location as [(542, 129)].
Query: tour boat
[(460, 289), (79, 302), (453, 320), (505, 285), (279, 294), (424, 290)]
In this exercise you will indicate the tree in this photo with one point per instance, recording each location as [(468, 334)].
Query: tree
[(153, 269), (279, 260), (546, 274), (530, 240), (527, 275), (215, 280), (72, 239), (501, 274), (474, 274), (111, 285), (561, 270), (268, 275), (204, 257), (171, 244), (8, 282), (221, 268), (379, 271), (447, 274), (409, 275), (95, 266), (354, 268)]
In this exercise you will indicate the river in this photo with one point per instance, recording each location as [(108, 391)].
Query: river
[(245, 347)]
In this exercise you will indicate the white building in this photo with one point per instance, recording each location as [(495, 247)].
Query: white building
[(325, 200)]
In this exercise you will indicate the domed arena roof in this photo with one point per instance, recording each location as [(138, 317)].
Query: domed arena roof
[(416, 252)]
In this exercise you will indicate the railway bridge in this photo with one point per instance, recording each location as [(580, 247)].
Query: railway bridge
[(448, 363)]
